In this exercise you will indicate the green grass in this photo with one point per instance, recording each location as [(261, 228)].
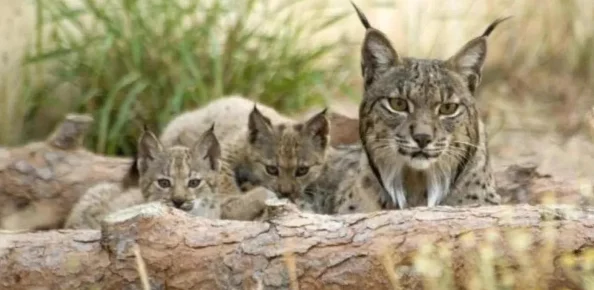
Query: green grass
[(146, 61)]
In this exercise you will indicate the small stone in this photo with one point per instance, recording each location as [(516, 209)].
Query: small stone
[(23, 167), (45, 173), (51, 157)]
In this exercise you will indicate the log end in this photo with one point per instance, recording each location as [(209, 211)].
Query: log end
[(71, 132)]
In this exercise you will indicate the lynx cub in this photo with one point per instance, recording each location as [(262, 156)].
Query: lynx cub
[(272, 151), (423, 141), (178, 176)]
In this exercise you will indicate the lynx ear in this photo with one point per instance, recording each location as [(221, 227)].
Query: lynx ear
[(469, 60), (378, 56), (207, 147), (148, 148), (318, 128), (259, 126), (377, 53)]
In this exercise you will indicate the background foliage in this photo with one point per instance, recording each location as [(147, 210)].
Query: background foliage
[(149, 60)]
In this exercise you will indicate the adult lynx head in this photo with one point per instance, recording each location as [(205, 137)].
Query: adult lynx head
[(419, 114), (287, 157), (178, 175)]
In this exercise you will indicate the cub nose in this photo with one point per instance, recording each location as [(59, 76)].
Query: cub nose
[(178, 202), (286, 193), (422, 139)]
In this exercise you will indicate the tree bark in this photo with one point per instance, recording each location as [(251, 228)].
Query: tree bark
[(536, 245), (40, 182)]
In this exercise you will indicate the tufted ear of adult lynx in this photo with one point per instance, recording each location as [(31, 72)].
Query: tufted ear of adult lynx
[(419, 126)]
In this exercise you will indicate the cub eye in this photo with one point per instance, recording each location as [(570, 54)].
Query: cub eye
[(398, 104), (164, 183), (448, 108), (301, 170), (272, 170), (193, 183)]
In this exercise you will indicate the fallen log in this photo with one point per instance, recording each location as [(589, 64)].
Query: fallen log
[(520, 247), (40, 182)]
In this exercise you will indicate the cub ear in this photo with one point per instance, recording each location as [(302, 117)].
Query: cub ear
[(259, 126), (207, 148), (469, 60), (318, 128), (148, 149), (377, 53)]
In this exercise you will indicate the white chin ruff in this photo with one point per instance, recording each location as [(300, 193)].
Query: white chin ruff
[(421, 163)]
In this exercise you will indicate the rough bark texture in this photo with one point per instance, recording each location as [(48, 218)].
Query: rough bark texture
[(312, 251), (40, 182)]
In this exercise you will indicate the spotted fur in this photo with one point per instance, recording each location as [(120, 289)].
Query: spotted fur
[(422, 139), (182, 177), (254, 137), (284, 158)]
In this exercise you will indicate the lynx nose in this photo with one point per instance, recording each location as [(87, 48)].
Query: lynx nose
[(422, 140), (285, 193), (288, 193), (178, 202)]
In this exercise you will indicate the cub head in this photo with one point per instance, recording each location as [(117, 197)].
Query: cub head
[(178, 175), (286, 158), (419, 110)]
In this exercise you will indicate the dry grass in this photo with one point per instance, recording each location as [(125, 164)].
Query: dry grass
[(141, 268)]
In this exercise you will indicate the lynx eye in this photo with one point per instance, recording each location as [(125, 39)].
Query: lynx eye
[(398, 104), (272, 170), (194, 182), (301, 171), (448, 109), (164, 183)]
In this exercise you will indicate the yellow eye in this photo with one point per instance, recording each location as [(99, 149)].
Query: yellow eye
[(448, 108), (398, 104)]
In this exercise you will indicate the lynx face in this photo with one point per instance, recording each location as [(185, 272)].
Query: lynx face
[(419, 115), (419, 109), (287, 157), (178, 175)]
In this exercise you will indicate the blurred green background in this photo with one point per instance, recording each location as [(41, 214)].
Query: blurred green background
[(145, 61)]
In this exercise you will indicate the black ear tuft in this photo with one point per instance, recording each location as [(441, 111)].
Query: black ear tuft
[(469, 60), (492, 26), (361, 16)]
